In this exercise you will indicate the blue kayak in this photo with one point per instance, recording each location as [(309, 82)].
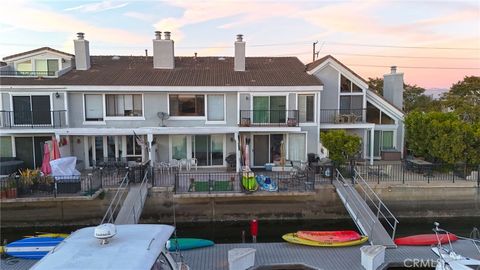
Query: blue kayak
[(32, 248), (266, 183), (175, 244)]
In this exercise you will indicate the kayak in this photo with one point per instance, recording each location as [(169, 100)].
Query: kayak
[(294, 239), (249, 182), (187, 243), (425, 239), (32, 247), (329, 236), (54, 235)]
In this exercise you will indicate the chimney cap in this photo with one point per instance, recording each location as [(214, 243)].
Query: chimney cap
[(158, 35), (80, 35), (393, 69), (167, 35), (239, 37)]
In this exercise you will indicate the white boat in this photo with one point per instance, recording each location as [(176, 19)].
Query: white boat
[(448, 259), (108, 246)]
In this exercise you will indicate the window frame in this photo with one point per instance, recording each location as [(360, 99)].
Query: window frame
[(315, 108), (190, 147), (34, 65), (179, 117), (121, 117), (224, 121), (30, 94)]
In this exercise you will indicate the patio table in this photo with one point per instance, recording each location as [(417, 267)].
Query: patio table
[(421, 166)]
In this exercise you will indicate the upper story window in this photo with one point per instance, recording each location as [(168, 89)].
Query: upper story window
[(124, 105), (306, 108), (25, 66), (93, 107), (31, 110), (347, 86), (46, 66), (374, 115), (187, 105), (216, 107)]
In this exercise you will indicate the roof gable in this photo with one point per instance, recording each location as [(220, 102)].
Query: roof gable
[(312, 67), (36, 51)]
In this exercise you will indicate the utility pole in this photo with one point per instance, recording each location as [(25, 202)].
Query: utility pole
[(313, 55)]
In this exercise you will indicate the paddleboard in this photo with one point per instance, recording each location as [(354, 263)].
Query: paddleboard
[(188, 243), (329, 236), (424, 239), (32, 247), (294, 239)]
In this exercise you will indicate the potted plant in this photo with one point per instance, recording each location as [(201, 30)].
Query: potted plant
[(28, 180), (44, 183), (3, 193), (12, 190)]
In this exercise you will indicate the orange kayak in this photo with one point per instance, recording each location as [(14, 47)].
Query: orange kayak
[(329, 236)]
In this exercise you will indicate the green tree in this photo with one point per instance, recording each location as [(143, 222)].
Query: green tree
[(442, 137), (464, 98), (341, 146)]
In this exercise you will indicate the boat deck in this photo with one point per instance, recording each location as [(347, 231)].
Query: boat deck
[(346, 258)]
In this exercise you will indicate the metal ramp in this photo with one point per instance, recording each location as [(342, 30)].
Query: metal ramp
[(367, 212), (127, 209)]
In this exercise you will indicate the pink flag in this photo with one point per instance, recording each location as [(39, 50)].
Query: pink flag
[(46, 169), (55, 149)]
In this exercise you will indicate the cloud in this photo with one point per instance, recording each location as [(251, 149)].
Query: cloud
[(139, 16), (38, 18), (97, 7)]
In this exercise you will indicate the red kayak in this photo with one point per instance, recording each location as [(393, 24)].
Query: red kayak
[(329, 236), (425, 239)]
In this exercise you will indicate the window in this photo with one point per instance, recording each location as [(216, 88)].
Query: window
[(306, 108), (187, 105), (296, 146), (269, 109), (208, 149), (31, 110), (348, 86), (124, 105), (382, 140), (134, 150), (46, 66), (93, 107), (374, 115), (179, 147), (24, 67), (215, 108)]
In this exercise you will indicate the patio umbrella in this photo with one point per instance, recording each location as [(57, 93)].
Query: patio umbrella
[(55, 149), (282, 154), (46, 169), (247, 158)]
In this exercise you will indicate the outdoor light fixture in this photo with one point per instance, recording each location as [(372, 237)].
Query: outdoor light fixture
[(57, 95)]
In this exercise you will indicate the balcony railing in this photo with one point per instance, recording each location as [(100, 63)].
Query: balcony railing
[(33, 119), (342, 116), (275, 118), (15, 73)]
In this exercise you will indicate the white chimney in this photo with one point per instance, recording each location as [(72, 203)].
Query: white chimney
[(163, 51), (393, 87), (82, 52), (239, 63)]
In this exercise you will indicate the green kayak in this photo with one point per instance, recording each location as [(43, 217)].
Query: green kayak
[(187, 243)]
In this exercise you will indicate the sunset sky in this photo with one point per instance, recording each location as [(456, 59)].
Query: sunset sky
[(435, 43)]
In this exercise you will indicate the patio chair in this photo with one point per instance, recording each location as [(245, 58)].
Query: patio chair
[(174, 164), (191, 162), (386, 171)]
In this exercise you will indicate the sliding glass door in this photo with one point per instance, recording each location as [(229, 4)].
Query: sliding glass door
[(208, 149), (269, 109)]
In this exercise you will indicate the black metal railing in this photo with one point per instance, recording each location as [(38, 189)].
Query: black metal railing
[(33, 118), (406, 172), (30, 73), (342, 116), (251, 118), (14, 186), (233, 182)]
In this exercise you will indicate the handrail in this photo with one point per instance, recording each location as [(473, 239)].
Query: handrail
[(372, 218), (116, 200), (140, 195), (380, 202)]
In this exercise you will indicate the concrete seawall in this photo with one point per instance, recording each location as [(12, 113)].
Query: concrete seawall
[(419, 200)]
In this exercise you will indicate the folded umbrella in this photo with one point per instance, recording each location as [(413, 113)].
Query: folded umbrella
[(46, 169)]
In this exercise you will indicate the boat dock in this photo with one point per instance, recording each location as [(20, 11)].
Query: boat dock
[(345, 258)]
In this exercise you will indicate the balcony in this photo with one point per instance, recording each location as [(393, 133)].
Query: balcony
[(269, 118), (7, 71), (33, 119), (342, 116)]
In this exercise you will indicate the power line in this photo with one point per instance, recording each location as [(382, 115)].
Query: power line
[(405, 47), (403, 56), (363, 65)]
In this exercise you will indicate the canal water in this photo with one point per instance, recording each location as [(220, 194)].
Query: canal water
[(271, 231)]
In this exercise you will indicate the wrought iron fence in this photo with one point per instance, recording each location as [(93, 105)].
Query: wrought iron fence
[(33, 118), (406, 172), (285, 118), (233, 182), (342, 116)]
